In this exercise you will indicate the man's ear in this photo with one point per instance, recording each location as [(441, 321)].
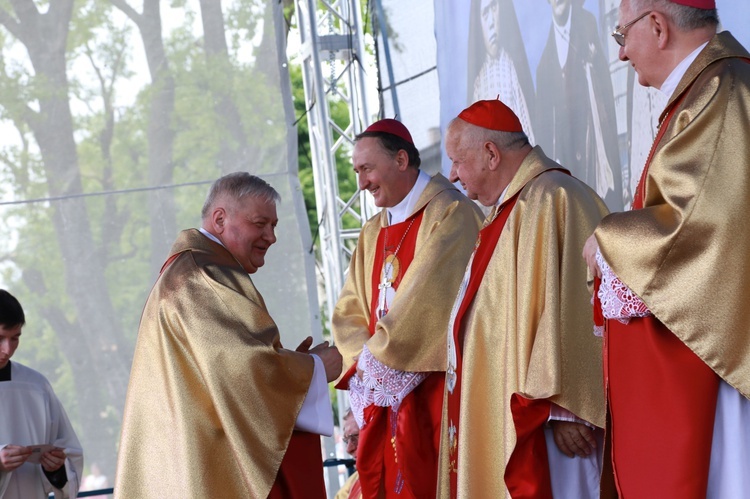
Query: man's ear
[(660, 28), (218, 219), (493, 155), (402, 160)]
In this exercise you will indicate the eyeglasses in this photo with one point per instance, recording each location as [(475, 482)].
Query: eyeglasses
[(618, 34), (351, 438)]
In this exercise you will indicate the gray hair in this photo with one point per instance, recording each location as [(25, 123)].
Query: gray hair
[(473, 136), (684, 17), (237, 186)]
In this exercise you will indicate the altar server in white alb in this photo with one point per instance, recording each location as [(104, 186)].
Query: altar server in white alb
[(39, 451)]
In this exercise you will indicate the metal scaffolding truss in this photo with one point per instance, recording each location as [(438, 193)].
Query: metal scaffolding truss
[(332, 50)]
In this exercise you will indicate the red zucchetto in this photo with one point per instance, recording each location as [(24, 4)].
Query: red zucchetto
[(394, 127), (698, 4), (493, 115)]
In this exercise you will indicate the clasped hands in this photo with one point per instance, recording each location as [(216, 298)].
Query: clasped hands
[(573, 439), (13, 456), (332, 361)]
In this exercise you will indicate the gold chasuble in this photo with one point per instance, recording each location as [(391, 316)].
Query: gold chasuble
[(213, 398), (686, 254), (423, 259), (528, 330)]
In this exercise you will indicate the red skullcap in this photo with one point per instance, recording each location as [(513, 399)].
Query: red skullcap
[(492, 114), (698, 4), (394, 127)]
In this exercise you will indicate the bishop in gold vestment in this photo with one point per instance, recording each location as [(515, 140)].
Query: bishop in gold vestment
[(520, 338), (418, 247), (681, 366), (213, 398)]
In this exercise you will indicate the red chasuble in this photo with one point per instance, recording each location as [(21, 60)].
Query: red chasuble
[(527, 473), (398, 451), (661, 399)]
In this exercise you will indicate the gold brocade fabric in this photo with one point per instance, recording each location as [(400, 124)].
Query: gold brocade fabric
[(213, 397), (412, 337), (687, 253), (529, 329), (345, 491)]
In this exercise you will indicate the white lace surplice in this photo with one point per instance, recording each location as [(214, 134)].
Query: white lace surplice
[(380, 385)]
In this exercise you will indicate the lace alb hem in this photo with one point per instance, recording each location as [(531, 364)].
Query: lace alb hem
[(357, 400), (618, 301), (380, 385)]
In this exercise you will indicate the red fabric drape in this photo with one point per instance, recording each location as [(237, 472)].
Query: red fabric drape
[(301, 472), (527, 473), (398, 451), (486, 243), (662, 400)]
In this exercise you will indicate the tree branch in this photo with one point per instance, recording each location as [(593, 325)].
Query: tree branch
[(128, 11), (60, 11), (102, 80), (117, 66), (58, 6), (11, 24), (24, 9)]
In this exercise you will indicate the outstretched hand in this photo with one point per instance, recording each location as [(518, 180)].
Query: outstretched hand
[(331, 358), (13, 456), (573, 439)]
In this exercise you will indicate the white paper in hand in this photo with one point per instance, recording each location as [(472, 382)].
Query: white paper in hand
[(37, 451)]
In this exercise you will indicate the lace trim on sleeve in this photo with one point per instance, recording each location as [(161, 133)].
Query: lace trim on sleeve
[(357, 400), (618, 301), (388, 386), (380, 385)]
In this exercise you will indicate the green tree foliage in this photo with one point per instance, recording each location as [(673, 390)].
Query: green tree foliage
[(347, 178)]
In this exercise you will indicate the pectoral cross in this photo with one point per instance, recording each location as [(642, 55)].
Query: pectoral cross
[(383, 290)]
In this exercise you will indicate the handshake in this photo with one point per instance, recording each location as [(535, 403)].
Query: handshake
[(330, 356)]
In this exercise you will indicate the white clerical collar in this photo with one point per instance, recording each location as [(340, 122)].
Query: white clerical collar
[(210, 236), (562, 38), (402, 211), (502, 196), (670, 84)]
